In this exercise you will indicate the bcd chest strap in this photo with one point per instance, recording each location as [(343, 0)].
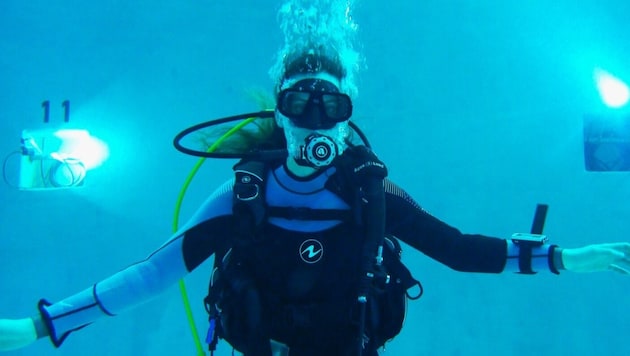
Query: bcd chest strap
[(249, 201)]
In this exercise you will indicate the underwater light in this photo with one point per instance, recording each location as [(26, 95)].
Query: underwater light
[(607, 134), (52, 159), (613, 91), (88, 149), (58, 158)]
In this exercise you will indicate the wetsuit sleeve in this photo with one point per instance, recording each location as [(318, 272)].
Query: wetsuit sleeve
[(406, 220), (195, 242)]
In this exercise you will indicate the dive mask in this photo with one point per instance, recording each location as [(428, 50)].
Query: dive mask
[(314, 104)]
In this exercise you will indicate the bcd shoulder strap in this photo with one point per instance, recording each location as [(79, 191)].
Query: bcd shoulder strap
[(249, 205)]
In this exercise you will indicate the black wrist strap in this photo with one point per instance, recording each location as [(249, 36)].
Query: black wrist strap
[(525, 256), (555, 259), (525, 247)]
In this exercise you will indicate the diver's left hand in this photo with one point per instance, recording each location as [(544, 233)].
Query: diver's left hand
[(599, 257)]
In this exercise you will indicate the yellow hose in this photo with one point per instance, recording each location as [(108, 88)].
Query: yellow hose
[(178, 205)]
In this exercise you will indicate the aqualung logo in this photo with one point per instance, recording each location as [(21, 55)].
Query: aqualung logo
[(321, 151), (369, 164), (311, 251)]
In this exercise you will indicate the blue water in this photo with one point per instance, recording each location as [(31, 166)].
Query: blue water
[(476, 107)]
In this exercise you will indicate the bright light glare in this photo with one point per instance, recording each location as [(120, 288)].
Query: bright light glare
[(81, 145), (613, 91)]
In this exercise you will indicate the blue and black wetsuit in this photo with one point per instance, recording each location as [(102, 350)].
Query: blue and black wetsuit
[(298, 260)]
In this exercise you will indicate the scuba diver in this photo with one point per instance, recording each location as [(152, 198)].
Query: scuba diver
[(305, 237), (299, 263)]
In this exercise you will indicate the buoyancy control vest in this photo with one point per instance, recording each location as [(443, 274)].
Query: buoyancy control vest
[(259, 292)]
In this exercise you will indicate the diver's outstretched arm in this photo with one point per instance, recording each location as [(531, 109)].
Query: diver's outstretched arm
[(188, 248), (125, 289), (409, 222)]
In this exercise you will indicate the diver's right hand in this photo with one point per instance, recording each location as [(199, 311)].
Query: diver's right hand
[(16, 333)]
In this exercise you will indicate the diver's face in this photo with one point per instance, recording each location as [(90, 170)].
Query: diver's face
[(311, 105)]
